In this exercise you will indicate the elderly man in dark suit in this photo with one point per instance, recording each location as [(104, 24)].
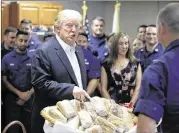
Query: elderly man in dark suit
[(58, 67)]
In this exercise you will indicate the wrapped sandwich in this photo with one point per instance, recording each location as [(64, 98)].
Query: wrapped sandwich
[(94, 129), (90, 109), (66, 108), (99, 106), (106, 126), (85, 119), (76, 105), (74, 122), (54, 113), (115, 120)]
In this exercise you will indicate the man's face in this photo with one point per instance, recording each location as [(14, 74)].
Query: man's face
[(68, 30), (97, 28), (82, 41), (26, 27), (141, 33), (9, 39), (22, 42), (151, 36)]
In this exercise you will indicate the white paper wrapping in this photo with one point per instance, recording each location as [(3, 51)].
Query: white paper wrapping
[(62, 128)]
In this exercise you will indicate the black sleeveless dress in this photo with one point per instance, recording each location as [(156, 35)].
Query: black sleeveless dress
[(121, 82)]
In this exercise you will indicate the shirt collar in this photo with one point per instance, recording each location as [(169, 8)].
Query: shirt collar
[(64, 45), (156, 50), (172, 45), (14, 53)]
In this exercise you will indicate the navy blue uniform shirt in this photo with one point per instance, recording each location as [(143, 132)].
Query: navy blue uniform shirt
[(17, 68), (93, 66), (98, 47), (159, 92), (146, 58), (34, 43)]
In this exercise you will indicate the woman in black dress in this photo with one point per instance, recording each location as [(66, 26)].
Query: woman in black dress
[(121, 73)]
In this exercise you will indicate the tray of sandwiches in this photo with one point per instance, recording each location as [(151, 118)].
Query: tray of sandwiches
[(99, 115)]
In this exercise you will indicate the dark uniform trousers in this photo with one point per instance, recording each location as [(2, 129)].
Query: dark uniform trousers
[(15, 111)]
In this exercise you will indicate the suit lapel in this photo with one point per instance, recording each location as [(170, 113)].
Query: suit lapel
[(63, 57), (80, 57)]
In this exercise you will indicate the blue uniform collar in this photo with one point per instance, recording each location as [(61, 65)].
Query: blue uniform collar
[(14, 53), (156, 50), (172, 45), (98, 41)]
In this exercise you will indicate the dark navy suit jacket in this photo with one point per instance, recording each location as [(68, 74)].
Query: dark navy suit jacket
[(53, 78)]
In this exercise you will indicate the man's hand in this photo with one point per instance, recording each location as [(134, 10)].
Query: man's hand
[(79, 93), (20, 102), (145, 124), (24, 95)]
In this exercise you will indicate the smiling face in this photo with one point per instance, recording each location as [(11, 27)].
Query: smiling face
[(151, 36), (123, 45), (9, 39)]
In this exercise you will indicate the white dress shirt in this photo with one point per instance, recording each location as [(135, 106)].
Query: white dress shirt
[(70, 52)]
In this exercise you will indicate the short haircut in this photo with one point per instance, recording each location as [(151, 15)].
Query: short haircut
[(141, 26), (169, 16), (9, 29), (99, 19), (83, 34), (20, 32), (65, 14), (151, 25), (25, 21), (48, 35)]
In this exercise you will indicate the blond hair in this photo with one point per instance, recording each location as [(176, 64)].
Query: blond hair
[(67, 14)]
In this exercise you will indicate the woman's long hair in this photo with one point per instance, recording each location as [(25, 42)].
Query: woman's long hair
[(113, 54)]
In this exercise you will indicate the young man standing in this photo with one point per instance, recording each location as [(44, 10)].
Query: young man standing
[(153, 49), (16, 71)]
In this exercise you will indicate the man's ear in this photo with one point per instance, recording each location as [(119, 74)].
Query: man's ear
[(57, 29), (91, 25), (15, 40), (5, 37), (163, 29)]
